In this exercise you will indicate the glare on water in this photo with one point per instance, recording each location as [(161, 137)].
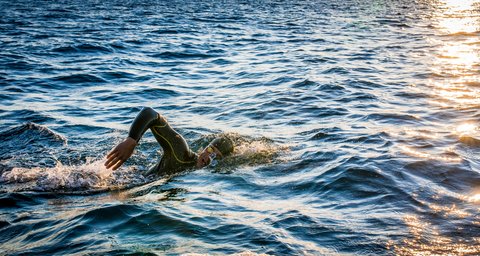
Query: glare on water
[(457, 63), (455, 81)]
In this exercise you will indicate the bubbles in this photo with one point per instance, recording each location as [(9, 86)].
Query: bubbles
[(212, 157)]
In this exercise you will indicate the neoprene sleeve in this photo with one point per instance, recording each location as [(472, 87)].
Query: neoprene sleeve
[(144, 120)]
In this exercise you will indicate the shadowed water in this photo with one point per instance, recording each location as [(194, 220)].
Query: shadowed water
[(355, 123)]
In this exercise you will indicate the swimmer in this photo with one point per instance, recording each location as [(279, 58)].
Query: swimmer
[(177, 154)]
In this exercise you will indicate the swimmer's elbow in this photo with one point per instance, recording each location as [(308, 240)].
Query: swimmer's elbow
[(148, 111), (144, 120)]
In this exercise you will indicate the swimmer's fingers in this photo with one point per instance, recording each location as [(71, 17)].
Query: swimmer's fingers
[(113, 159), (119, 163), (120, 153), (111, 153), (116, 159), (116, 163)]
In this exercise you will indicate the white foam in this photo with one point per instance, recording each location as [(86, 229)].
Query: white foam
[(257, 152), (253, 148), (90, 175)]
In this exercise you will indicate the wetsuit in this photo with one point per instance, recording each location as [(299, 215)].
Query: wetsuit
[(176, 154)]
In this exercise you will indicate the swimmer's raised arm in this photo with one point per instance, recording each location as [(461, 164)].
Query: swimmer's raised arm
[(120, 153), (144, 120)]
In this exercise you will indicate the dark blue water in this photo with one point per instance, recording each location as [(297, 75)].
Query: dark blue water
[(356, 124)]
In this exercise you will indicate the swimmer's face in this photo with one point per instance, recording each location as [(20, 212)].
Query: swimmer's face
[(205, 157)]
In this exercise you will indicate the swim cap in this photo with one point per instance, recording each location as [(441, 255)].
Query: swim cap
[(223, 144)]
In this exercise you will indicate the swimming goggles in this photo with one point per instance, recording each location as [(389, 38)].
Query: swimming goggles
[(212, 156)]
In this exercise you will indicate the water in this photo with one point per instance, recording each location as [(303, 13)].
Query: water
[(356, 125)]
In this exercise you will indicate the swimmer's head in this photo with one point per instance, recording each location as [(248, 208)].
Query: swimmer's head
[(223, 144), (219, 147)]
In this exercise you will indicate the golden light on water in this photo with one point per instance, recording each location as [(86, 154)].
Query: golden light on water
[(438, 103), (458, 16), (442, 226), (452, 210), (427, 155), (457, 65), (454, 83), (475, 198), (426, 134), (465, 129), (455, 25), (459, 55), (427, 239)]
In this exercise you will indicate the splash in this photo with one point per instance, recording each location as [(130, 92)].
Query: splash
[(248, 151), (256, 152), (251, 149), (92, 175)]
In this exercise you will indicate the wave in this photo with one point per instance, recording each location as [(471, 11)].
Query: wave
[(336, 70), (30, 145), (80, 79), (31, 132), (156, 93), (389, 117), (182, 55), (83, 48), (165, 31), (305, 84)]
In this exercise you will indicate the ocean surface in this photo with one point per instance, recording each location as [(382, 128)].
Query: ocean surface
[(356, 126)]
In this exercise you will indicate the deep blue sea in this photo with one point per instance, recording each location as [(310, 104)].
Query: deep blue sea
[(356, 125)]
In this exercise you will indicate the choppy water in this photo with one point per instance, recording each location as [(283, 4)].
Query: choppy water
[(356, 125)]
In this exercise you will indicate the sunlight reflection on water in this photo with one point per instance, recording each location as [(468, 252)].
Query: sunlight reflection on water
[(457, 64), (428, 240), (455, 81), (465, 129), (457, 16)]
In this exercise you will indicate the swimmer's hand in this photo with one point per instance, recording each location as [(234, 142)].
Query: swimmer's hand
[(120, 154)]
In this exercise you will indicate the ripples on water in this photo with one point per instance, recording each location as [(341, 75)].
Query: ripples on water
[(356, 125)]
